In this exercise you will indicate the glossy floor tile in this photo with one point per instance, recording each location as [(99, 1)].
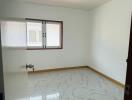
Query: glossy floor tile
[(75, 84), (16, 86)]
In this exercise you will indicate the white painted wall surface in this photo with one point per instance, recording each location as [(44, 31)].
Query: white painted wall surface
[(14, 61), (75, 32), (89, 38), (110, 29)]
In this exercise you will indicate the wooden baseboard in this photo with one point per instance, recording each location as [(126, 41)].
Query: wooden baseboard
[(107, 77), (58, 69), (79, 67)]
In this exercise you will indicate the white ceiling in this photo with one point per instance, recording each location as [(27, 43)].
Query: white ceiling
[(78, 4)]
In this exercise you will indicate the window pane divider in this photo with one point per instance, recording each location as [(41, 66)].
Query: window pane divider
[(44, 34)]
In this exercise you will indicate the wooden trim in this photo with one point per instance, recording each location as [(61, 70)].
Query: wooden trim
[(44, 48), (43, 20), (58, 69), (107, 77), (61, 34), (61, 37), (79, 67), (128, 84)]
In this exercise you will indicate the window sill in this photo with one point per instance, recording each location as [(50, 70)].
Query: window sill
[(44, 48)]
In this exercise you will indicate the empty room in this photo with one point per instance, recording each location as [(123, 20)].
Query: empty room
[(65, 49)]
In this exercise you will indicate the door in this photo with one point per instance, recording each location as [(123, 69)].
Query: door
[(1, 74), (128, 91), (13, 36)]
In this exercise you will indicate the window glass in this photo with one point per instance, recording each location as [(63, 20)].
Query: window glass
[(53, 34), (44, 34), (34, 34)]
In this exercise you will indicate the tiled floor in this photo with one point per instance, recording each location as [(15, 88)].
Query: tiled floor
[(75, 84)]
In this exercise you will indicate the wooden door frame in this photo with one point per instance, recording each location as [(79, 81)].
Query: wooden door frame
[(128, 85)]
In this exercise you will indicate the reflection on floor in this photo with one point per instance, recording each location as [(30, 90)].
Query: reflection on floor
[(75, 84), (15, 86)]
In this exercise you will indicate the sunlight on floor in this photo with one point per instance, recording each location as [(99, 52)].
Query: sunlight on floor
[(54, 96)]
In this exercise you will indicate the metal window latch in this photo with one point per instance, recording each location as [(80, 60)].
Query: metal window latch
[(44, 34), (44, 40), (30, 66)]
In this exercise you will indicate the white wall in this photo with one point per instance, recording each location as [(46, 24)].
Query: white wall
[(110, 31), (14, 60), (75, 30), (73, 54), (98, 38)]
